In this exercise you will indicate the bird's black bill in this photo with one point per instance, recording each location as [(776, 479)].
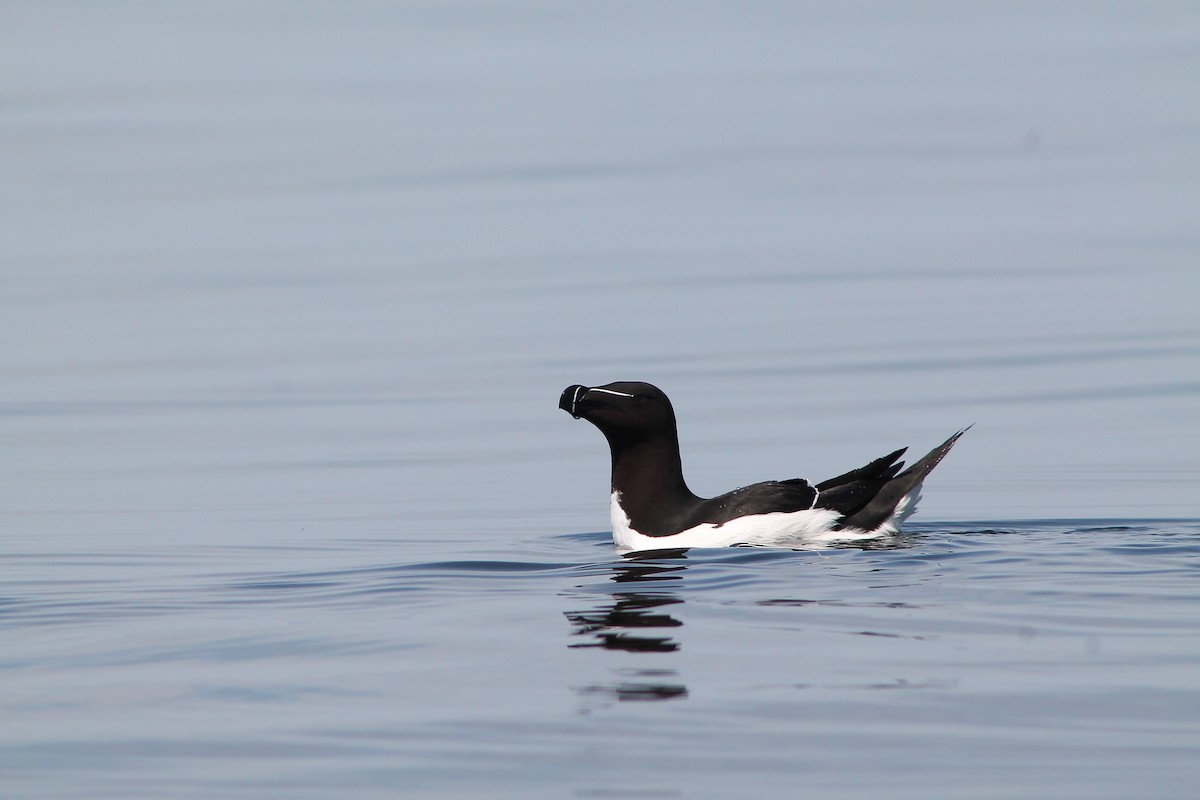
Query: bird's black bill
[(569, 400)]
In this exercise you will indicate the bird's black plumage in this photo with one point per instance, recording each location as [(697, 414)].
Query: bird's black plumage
[(639, 423)]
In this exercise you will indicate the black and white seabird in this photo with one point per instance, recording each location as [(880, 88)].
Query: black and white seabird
[(653, 508)]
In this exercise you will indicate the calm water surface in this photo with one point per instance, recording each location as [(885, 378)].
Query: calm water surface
[(1033, 659), (288, 293)]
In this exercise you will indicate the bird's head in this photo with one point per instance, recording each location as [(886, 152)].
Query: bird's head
[(622, 410)]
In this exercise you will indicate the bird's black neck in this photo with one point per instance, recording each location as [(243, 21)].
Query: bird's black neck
[(647, 473)]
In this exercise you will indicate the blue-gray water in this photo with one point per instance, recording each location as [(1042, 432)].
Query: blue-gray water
[(289, 291)]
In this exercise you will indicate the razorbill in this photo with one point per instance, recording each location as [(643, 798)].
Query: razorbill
[(653, 508)]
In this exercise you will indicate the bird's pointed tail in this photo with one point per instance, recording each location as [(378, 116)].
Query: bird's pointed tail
[(898, 497)]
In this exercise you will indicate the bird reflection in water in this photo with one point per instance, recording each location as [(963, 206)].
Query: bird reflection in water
[(624, 622)]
